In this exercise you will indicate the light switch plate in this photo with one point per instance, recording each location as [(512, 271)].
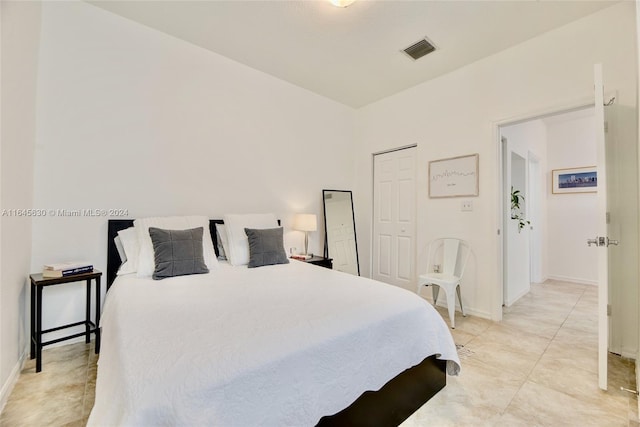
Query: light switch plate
[(467, 206)]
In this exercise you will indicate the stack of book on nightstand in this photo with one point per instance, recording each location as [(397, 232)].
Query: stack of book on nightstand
[(301, 257), (65, 269)]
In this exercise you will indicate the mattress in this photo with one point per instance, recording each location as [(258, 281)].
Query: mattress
[(281, 345)]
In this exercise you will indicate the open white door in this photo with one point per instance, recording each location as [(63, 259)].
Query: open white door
[(602, 240)]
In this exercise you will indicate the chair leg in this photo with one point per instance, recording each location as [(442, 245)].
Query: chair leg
[(420, 289), (451, 306), (460, 299), (435, 289)]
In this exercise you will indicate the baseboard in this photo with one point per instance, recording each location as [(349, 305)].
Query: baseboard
[(542, 280), (66, 342), (11, 381), (627, 354), (467, 310), (573, 280), (473, 312), (517, 297)]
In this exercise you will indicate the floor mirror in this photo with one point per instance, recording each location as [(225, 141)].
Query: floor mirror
[(340, 231)]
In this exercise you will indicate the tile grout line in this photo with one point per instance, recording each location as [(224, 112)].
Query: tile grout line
[(554, 336), (86, 384), (542, 354)]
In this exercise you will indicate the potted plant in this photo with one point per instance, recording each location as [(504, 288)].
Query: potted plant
[(516, 213)]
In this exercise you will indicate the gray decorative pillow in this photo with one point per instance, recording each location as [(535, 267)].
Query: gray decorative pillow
[(177, 252), (266, 247)]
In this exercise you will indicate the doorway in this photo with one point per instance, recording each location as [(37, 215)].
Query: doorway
[(556, 225), (610, 264), (516, 222), (394, 217)]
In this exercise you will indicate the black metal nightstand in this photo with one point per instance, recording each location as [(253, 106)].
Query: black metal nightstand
[(318, 260), (37, 285)]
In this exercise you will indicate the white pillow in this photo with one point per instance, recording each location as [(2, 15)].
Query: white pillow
[(121, 253), (238, 250), (223, 241), (146, 260), (129, 239)]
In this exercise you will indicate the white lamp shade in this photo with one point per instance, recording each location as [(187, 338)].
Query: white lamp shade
[(305, 222)]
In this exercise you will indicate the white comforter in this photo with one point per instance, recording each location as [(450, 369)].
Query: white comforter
[(273, 346)]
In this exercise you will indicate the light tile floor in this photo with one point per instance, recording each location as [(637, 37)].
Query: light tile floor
[(62, 394), (536, 368)]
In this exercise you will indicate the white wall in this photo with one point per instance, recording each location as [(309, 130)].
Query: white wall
[(572, 217), (135, 119), (20, 35), (458, 114)]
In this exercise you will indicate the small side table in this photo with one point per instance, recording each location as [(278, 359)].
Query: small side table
[(318, 260), (38, 283)]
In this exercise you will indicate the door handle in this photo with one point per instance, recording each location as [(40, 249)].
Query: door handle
[(602, 241)]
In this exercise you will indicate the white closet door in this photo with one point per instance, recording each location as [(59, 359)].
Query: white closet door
[(394, 222)]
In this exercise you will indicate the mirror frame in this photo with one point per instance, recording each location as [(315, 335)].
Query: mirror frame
[(353, 218)]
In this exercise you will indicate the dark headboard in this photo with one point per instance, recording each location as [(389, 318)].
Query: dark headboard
[(113, 258)]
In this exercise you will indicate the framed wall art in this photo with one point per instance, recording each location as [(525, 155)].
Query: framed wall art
[(574, 180), (454, 177)]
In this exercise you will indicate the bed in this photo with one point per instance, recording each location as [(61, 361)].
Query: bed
[(293, 344)]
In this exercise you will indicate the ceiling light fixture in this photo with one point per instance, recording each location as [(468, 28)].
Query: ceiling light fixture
[(341, 3)]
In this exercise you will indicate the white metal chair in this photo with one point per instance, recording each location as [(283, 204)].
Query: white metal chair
[(447, 260)]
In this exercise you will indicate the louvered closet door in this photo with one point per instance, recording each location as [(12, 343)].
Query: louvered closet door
[(394, 210)]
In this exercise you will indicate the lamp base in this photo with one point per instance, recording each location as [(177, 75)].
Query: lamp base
[(306, 243)]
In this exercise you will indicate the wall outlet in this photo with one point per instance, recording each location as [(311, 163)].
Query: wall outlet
[(467, 206)]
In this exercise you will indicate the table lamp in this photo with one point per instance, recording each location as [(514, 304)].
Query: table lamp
[(306, 223)]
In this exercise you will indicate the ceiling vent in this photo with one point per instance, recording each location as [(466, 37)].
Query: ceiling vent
[(419, 49)]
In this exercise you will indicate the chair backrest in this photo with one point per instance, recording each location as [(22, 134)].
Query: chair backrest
[(451, 254)]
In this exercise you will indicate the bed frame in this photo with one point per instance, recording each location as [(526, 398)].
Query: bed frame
[(391, 405)]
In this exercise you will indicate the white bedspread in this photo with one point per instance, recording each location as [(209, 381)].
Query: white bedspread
[(273, 346)]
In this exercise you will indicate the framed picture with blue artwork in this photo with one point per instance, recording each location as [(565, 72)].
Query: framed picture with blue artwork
[(575, 180)]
